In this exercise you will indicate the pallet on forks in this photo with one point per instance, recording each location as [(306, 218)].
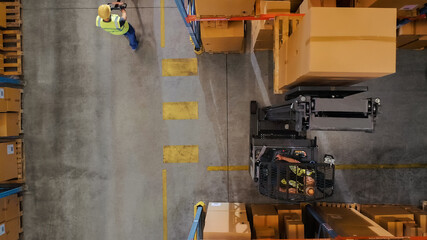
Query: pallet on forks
[(10, 14)]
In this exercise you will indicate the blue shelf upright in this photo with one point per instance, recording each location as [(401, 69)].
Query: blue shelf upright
[(193, 27)]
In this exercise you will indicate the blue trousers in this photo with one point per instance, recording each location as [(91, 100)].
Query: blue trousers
[(132, 38)]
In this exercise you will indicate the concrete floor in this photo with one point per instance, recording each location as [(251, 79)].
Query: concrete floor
[(94, 131)]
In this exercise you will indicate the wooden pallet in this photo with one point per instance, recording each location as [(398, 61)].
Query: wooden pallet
[(10, 14), (11, 64), (10, 40)]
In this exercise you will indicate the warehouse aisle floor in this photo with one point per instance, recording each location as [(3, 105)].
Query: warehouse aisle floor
[(95, 133)]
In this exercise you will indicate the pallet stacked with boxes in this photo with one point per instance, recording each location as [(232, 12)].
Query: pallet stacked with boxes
[(412, 32), (11, 217), (12, 158), (223, 36)]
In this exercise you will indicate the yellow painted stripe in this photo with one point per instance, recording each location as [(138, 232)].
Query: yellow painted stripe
[(165, 205), (380, 166), (181, 154), (340, 167), (228, 168), (179, 67), (180, 110), (162, 23)]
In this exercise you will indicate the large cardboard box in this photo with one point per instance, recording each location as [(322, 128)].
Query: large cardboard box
[(264, 215), (225, 206), (208, 8), (223, 40), (405, 8), (10, 230), (9, 124), (340, 46), (375, 213), (349, 222), (8, 161), (226, 225), (10, 99), (9, 208), (307, 4)]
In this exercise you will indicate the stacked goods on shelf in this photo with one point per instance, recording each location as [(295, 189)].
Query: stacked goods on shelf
[(398, 220), (262, 31), (223, 36), (265, 221), (226, 221), (413, 35), (11, 161), (10, 38), (10, 112), (339, 46), (405, 8), (10, 217), (290, 221), (348, 222)]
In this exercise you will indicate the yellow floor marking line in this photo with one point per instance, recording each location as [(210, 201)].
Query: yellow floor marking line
[(179, 67), (340, 167), (380, 166), (180, 110), (165, 205), (228, 168), (181, 154), (162, 23)]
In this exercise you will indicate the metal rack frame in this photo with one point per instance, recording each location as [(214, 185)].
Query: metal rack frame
[(193, 27)]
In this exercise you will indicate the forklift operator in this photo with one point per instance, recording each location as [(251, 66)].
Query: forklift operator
[(302, 176)]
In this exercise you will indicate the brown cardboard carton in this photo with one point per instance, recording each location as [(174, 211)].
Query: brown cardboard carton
[(421, 27), (420, 43), (9, 124), (224, 8), (8, 161), (10, 99), (12, 229), (224, 206), (388, 223), (220, 40), (11, 207), (406, 8), (265, 232), (375, 213), (265, 216), (340, 46), (349, 222), (409, 229), (294, 229), (307, 4), (226, 225)]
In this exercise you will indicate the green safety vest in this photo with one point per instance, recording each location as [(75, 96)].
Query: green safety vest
[(113, 26)]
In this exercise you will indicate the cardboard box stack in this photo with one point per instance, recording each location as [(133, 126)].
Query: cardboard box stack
[(413, 35), (398, 220), (405, 8), (349, 222), (265, 221), (290, 221), (223, 37), (339, 46), (10, 112), (226, 221), (10, 217), (262, 31), (307, 4)]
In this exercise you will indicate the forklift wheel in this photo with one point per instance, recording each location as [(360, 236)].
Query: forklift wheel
[(254, 107)]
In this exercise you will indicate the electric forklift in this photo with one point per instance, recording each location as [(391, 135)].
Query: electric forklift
[(284, 162)]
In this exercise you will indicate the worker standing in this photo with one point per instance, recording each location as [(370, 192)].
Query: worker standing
[(115, 24)]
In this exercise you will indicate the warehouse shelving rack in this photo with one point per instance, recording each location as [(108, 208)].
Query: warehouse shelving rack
[(196, 231), (193, 27)]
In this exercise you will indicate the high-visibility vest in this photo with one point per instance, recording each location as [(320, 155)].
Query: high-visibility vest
[(113, 26)]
